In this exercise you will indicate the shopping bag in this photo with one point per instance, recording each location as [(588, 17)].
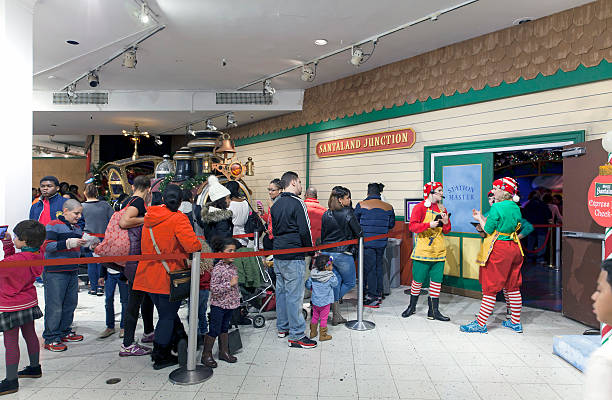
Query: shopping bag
[(234, 341)]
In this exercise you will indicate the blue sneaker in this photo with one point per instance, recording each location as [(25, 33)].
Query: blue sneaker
[(473, 327), (518, 328)]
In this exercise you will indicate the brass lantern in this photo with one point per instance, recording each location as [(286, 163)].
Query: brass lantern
[(206, 164), (249, 165)]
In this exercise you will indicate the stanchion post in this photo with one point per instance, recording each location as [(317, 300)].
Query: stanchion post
[(192, 374), (359, 324), (256, 240)]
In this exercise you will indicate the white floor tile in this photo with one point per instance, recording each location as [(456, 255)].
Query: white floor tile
[(377, 388), (401, 358)]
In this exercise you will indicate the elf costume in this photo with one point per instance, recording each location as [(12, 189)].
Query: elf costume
[(500, 260), (429, 254)]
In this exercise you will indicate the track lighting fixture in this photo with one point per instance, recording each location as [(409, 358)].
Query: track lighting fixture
[(309, 72), (129, 58), (144, 13), (190, 130), (71, 92), (210, 126), (158, 141), (357, 56), (267, 87), (93, 79), (231, 121)]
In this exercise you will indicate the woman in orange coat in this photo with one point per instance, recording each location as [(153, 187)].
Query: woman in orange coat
[(171, 231)]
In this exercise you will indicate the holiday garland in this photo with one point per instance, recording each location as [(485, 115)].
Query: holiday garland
[(189, 184)]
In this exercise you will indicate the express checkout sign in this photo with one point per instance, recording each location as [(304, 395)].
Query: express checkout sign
[(391, 140), (600, 200)]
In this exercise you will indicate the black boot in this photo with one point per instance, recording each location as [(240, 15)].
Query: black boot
[(162, 356), (433, 312), (9, 386), (411, 307)]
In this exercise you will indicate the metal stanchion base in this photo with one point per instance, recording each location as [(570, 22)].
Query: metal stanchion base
[(357, 325), (182, 376)]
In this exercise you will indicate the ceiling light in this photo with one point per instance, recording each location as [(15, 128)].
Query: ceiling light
[(320, 42), (93, 79), (158, 141), (71, 92), (357, 56), (129, 58), (309, 72), (190, 130), (210, 126), (267, 87), (144, 13), (231, 121), (522, 20), (72, 42)]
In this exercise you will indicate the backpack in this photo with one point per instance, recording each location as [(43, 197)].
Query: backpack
[(116, 239)]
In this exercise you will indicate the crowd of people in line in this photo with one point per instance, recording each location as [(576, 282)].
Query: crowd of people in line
[(61, 227)]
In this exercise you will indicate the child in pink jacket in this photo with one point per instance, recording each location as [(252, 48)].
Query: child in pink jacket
[(19, 303)]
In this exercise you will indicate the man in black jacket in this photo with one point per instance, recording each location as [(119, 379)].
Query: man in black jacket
[(291, 228)]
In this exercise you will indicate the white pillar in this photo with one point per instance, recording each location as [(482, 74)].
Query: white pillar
[(16, 21)]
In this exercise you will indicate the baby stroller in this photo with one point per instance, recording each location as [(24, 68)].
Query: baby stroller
[(264, 299)]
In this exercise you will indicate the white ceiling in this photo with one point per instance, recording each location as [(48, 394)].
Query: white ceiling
[(257, 38)]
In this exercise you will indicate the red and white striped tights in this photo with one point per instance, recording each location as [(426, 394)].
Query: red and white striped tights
[(434, 288), (514, 301)]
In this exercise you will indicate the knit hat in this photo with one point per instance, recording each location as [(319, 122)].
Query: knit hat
[(172, 197), (50, 178), (216, 190), (508, 185), (490, 194), (428, 189)]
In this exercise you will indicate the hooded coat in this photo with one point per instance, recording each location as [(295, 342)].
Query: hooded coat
[(216, 222), (173, 234)]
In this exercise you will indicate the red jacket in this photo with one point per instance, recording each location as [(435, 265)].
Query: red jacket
[(417, 225), (315, 213), (17, 291), (173, 234)]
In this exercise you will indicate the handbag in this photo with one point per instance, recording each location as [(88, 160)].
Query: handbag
[(116, 239), (180, 280), (234, 342)]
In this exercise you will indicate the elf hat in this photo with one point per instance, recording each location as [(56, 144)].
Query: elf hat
[(490, 194), (216, 190), (428, 189), (508, 185)]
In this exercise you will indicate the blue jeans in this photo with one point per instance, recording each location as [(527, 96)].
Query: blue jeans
[(373, 270), (112, 281), (220, 319), (344, 269), (61, 298), (290, 297), (167, 312), (202, 307)]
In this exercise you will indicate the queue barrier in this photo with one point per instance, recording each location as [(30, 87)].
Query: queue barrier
[(554, 256), (192, 373)]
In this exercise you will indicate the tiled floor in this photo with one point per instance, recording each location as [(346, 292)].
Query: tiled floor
[(410, 358)]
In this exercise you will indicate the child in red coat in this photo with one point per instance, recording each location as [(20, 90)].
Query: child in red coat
[(19, 303)]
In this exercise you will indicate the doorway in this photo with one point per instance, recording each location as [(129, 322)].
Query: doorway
[(474, 162), (539, 173)]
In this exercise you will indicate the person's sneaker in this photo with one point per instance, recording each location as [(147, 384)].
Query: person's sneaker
[(518, 328), (106, 333), (134, 350), (100, 292), (56, 346), (371, 303), (148, 337), (73, 337), (30, 372), (121, 333), (473, 327), (282, 334), (304, 343), (8, 387), (92, 292)]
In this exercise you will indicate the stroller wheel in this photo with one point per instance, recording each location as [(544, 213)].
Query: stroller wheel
[(259, 321), (305, 314)]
